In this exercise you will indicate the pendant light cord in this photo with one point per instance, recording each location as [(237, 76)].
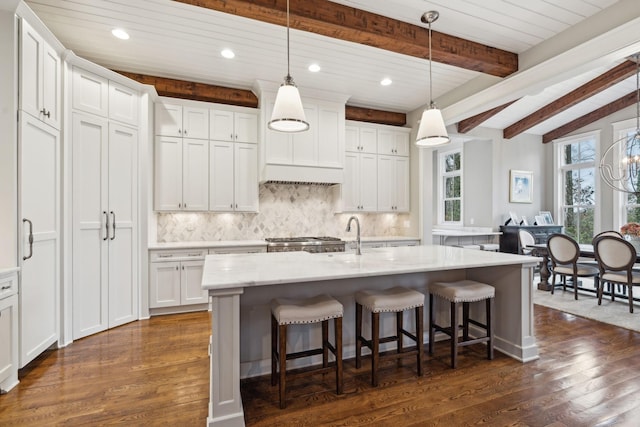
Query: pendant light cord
[(288, 69), (637, 57), (431, 103)]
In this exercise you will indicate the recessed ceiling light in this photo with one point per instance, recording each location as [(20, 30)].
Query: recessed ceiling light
[(314, 68), (120, 33), (227, 53), (386, 81)]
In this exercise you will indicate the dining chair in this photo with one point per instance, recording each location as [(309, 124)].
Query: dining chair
[(616, 258), (526, 239), (595, 261), (564, 253)]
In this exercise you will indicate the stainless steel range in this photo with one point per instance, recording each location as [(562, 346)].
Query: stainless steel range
[(307, 244)]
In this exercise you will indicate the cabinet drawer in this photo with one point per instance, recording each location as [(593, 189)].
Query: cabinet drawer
[(177, 255), (8, 286)]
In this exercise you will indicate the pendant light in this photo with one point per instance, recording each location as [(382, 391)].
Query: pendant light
[(288, 114), (620, 164), (431, 131)]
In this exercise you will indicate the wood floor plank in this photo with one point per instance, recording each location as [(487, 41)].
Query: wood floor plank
[(156, 372)]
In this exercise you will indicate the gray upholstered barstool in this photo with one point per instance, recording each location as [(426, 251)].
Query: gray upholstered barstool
[(286, 311), (394, 300), (465, 292)]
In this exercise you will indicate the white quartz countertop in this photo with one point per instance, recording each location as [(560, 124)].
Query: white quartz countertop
[(207, 244), (8, 270), (464, 233), (247, 270)]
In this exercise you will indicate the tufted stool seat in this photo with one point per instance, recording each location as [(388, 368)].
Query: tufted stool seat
[(393, 300), (287, 311), (462, 292)]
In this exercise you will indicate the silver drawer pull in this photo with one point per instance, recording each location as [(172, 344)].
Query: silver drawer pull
[(198, 254), (4, 288), (165, 256)]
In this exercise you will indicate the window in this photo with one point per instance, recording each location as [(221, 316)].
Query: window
[(630, 201), (450, 194), (576, 158)]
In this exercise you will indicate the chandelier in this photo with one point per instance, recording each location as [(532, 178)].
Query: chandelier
[(620, 164)]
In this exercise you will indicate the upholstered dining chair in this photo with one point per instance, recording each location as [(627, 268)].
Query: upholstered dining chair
[(564, 253), (595, 261), (526, 239), (616, 258)]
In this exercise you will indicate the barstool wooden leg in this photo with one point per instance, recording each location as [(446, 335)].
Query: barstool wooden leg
[(337, 322), (375, 347), (283, 363), (399, 328), (274, 350), (358, 335), (454, 335), (465, 321), (325, 343), (432, 318), (419, 336), (489, 324)]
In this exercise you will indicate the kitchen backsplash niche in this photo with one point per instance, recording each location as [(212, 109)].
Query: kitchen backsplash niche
[(285, 210)]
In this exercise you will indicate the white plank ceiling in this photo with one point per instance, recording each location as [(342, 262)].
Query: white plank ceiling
[(175, 40)]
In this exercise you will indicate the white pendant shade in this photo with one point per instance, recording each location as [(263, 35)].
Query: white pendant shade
[(432, 130), (288, 114)]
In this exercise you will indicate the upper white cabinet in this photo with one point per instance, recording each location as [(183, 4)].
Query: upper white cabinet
[(393, 183), (233, 177), (361, 139), (393, 142), (181, 121), (98, 95), (181, 174), (359, 189), (226, 125), (40, 76)]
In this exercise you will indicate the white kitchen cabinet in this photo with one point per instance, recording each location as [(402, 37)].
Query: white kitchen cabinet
[(181, 121), (359, 189), (226, 125), (393, 184), (8, 329), (123, 104), (181, 174), (361, 139), (38, 235), (105, 218), (393, 142), (175, 278), (233, 177), (40, 77)]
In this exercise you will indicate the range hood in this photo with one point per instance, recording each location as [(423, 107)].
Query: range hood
[(297, 174)]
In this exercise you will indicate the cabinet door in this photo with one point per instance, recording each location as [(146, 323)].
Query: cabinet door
[(168, 173), (305, 144), (8, 343), (246, 177), (123, 215), (402, 184), (330, 140), (386, 142), (221, 176), (351, 138), (123, 104), (221, 125), (164, 284), (168, 119), (90, 298), (191, 283), (90, 92), (351, 183), (31, 68), (51, 78), (195, 174), (368, 140), (279, 149), (368, 182), (195, 122), (39, 184), (246, 127), (401, 140), (386, 183)]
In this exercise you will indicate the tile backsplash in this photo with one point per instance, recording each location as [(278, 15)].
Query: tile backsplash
[(285, 210)]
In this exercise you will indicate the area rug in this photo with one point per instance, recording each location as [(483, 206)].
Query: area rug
[(614, 313)]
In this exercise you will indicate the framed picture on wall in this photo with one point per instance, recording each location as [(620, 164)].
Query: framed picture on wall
[(520, 186)]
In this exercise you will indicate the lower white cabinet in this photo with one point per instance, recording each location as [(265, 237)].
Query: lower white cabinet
[(175, 278), (8, 329)]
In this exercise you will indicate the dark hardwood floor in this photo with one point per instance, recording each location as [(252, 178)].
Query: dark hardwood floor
[(155, 372)]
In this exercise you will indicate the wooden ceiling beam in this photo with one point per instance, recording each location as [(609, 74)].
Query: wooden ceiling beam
[(604, 111), (587, 90), (466, 125), (354, 25), (375, 116), (196, 91)]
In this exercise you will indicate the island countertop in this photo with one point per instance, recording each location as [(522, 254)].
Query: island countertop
[(248, 270)]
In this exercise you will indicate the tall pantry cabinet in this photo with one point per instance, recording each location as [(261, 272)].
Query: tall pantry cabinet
[(104, 141), (39, 173)]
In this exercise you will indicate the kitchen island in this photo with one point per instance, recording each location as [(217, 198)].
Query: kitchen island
[(241, 286)]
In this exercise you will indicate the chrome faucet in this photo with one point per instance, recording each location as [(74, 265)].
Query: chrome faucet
[(357, 231)]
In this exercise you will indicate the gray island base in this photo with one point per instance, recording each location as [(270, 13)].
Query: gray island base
[(242, 285)]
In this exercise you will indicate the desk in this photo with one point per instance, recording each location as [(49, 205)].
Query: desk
[(240, 287)]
